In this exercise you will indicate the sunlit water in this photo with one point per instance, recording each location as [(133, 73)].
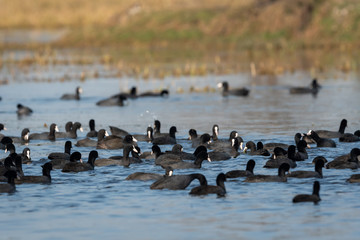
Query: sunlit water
[(100, 204)]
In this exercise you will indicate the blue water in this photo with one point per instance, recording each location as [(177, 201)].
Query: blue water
[(100, 204)]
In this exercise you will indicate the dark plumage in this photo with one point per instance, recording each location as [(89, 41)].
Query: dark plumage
[(65, 134), (177, 182), (62, 155), (333, 134), (81, 166), (45, 135), (5, 141), (118, 131), (92, 132), (70, 96), (232, 92), (162, 158), (9, 187), (24, 138), (163, 93), (313, 88), (205, 189), (73, 132), (346, 161), (281, 177), (314, 197), (142, 176), (45, 178), (113, 101), (178, 150), (23, 110), (249, 171), (87, 142), (124, 160), (220, 143), (148, 137), (253, 151), (184, 165), (319, 164), (321, 142), (279, 160), (114, 142), (25, 156), (301, 154), (59, 163), (170, 139)]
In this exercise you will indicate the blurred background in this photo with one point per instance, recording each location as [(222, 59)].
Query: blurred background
[(157, 38)]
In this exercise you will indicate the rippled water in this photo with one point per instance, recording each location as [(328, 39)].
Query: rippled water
[(100, 204)]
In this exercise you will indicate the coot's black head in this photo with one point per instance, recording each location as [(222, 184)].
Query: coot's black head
[(279, 151), (284, 167), (75, 156), (203, 156), (315, 84), (233, 134), (259, 145), (157, 125), (47, 166), (164, 93), (177, 148), (319, 162), (19, 106), (2, 127), (224, 85), (205, 138), (155, 149), (93, 154), (354, 154), (291, 151), (301, 144), (200, 149), (250, 165), (192, 133), (6, 140), (10, 148), (357, 133), (172, 130)]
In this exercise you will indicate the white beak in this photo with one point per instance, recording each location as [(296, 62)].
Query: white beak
[(134, 139), (81, 129), (56, 129), (219, 85), (106, 134)]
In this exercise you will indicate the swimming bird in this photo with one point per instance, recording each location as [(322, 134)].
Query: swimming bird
[(9, 187), (253, 151), (45, 178), (232, 92), (114, 142), (118, 131), (62, 155), (350, 160), (204, 139), (333, 134), (321, 142), (221, 143), (319, 164), (249, 171), (23, 110), (69, 96), (205, 189), (301, 154), (170, 139), (281, 177), (25, 156), (313, 88), (354, 178), (178, 150), (157, 129), (87, 142), (184, 165), (81, 166), (113, 101), (92, 132), (162, 93), (45, 135), (143, 176), (59, 163), (124, 160), (73, 132), (65, 134), (177, 182), (162, 158), (148, 137), (24, 138), (314, 197), (279, 160), (5, 141)]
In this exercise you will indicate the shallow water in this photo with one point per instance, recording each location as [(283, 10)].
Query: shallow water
[(100, 204)]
